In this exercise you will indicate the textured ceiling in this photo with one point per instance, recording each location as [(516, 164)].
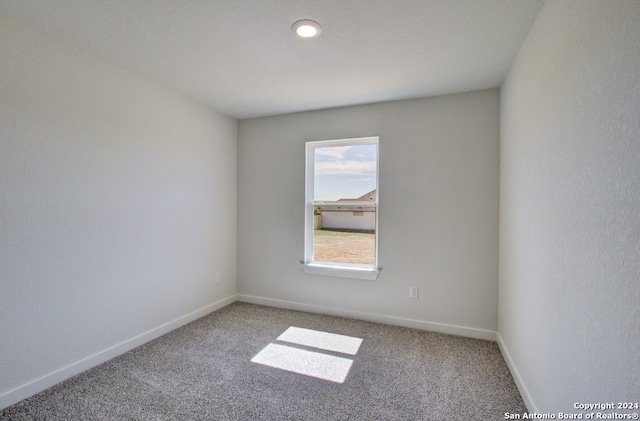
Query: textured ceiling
[(241, 57)]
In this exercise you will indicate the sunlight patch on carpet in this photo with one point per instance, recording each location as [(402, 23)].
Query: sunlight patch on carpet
[(311, 363), (321, 340), (308, 363)]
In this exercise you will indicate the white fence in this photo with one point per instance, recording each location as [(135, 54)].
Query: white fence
[(355, 220)]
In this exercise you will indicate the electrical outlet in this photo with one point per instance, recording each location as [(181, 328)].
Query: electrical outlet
[(218, 278), (413, 292)]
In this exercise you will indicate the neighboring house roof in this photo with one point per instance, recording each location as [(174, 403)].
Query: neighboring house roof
[(367, 197), (363, 203)]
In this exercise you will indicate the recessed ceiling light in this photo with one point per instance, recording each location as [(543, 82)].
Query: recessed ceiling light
[(307, 28)]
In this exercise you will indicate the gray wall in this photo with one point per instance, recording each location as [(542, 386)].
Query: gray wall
[(438, 222), (117, 210), (570, 207)]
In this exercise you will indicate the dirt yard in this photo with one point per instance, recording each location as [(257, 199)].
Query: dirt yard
[(344, 247)]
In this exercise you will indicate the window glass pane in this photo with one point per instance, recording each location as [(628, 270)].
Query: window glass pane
[(345, 190), (344, 172)]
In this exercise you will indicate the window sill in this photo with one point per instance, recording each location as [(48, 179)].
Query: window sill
[(353, 272)]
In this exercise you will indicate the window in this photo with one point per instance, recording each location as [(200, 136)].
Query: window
[(341, 211)]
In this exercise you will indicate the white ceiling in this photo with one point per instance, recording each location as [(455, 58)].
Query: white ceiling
[(242, 58)]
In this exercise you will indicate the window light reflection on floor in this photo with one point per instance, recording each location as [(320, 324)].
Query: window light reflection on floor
[(314, 364), (311, 363), (321, 340)]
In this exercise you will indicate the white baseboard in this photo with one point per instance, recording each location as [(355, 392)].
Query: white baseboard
[(524, 392), (372, 317), (57, 376)]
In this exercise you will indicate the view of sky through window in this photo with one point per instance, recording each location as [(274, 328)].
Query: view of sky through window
[(344, 172)]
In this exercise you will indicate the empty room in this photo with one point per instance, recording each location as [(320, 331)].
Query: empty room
[(319, 209)]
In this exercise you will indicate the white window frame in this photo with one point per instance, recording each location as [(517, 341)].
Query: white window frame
[(343, 270)]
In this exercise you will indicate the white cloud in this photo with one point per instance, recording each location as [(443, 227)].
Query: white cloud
[(345, 168), (336, 152)]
